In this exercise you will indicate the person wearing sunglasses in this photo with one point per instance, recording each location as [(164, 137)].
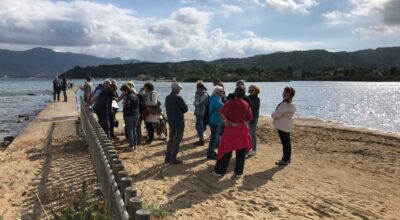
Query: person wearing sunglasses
[(254, 90)]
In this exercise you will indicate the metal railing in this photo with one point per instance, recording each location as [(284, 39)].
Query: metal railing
[(102, 152)]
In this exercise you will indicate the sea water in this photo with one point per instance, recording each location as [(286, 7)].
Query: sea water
[(374, 105)]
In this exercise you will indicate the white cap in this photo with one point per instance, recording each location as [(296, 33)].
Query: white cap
[(176, 86)]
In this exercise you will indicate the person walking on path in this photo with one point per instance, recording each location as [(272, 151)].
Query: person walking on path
[(236, 114), (64, 87), (283, 122), (176, 108), (200, 104), (56, 89), (215, 121), (131, 114), (152, 110), (102, 107), (87, 90), (254, 90)]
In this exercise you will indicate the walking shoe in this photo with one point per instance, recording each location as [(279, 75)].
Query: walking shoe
[(237, 176), (114, 138), (199, 143), (162, 137), (213, 173), (252, 152), (212, 157), (282, 163), (176, 161)]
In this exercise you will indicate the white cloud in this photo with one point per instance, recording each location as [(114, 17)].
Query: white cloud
[(249, 33), (188, 1), (227, 10), (288, 5), (107, 30)]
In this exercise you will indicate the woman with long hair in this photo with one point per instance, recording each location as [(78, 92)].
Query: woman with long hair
[(283, 122), (254, 90)]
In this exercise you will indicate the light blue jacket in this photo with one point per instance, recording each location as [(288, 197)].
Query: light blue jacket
[(215, 105)]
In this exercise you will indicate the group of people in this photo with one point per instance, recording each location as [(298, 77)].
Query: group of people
[(61, 85), (232, 119)]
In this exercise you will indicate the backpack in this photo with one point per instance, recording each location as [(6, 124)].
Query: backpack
[(206, 117)]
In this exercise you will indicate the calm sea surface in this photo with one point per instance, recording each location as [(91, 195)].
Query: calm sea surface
[(374, 105)]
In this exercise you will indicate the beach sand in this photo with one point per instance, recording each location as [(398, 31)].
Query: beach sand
[(336, 173), (48, 159)]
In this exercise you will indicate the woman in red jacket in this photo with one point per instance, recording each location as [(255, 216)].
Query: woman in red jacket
[(236, 115)]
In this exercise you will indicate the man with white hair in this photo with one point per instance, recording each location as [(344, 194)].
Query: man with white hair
[(176, 108)]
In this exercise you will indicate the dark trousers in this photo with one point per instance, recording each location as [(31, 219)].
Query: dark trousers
[(65, 95), (105, 124), (56, 95), (112, 124), (222, 164), (150, 126), (175, 139), (287, 147), (139, 131)]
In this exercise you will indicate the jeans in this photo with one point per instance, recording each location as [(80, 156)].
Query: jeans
[(222, 164), (200, 126), (65, 95), (150, 126), (139, 130), (287, 147), (175, 139), (56, 95), (130, 125), (253, 132), (214, 138)]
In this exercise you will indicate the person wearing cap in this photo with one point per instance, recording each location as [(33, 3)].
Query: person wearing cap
[(176, 108), (200, 106)]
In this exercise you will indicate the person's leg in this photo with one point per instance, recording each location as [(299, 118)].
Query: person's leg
[(199, 127), (150, 131), (222, 165), (253, 133), (104, 124), (112, 125), (58, 95), (213, 139), (129, 129), (139, 131), (134, 123), (176, 142), (54, 95), (240, 158), (285, 140), (169, 145), (65, 95)]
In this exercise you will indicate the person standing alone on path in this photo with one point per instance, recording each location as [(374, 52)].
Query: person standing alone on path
[(283, 122), (200, 104), (87, 90), (56, 89), (176, 108), (64, 87)]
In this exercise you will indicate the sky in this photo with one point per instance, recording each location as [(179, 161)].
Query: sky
[(176, 30)]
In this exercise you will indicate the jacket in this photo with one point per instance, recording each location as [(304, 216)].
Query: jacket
[(254, 105), (214, 107), (151, 99), (102, 106), (131, 106), (200, 103), (283, 116), (176, 108)]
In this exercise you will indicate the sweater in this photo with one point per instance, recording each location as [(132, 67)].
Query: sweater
[(254, 105), (200, 103), (176, 108), (283, 116), (214, 107)]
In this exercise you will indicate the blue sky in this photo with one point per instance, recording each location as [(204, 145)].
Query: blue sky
[(174, 30)]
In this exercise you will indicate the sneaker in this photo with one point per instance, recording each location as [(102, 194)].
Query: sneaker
[(213, 173), (114, 138), (252, 152), (282, 163), (199, 143), (176, 161), (162, 137), (212, 157), (237, 176)]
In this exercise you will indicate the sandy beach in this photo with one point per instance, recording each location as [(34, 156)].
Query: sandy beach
[(48, 160), (336, 172)]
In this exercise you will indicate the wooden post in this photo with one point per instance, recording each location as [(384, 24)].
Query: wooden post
[(116, 169), (143, 214), (121, 174), (125, 183), (134, 204), (114, 162), (130, 192)]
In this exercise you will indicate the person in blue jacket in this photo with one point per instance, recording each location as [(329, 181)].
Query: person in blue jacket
[(216, 122)]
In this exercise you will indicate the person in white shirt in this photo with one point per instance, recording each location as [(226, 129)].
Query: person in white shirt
[(283, 122)]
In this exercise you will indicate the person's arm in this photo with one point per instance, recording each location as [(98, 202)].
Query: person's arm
[(182, 105), (279, 111), (225, 119)]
